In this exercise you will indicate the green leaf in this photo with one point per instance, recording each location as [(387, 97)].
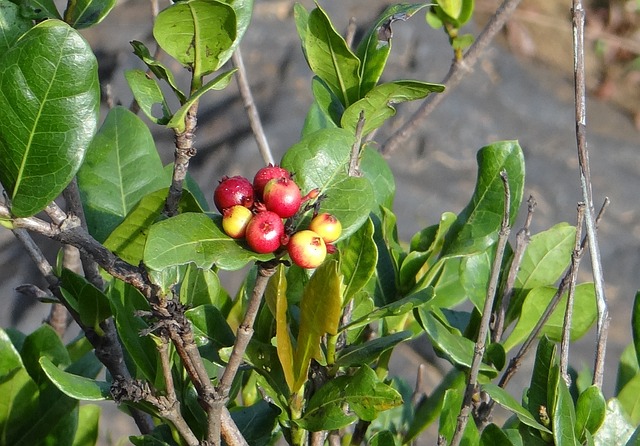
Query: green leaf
[(43, 342), (330, 58), (10, 359), (74, 386), (358, 259), (616, 429), (375, 46), (455, 348), (196, 238), (88, 423), (210, 331), (375, 168), (321, 161), (635, 325), (85, 13), (383, 438), (537, 394), (474, 276), (202, 287), (93, 305), (451, 7), (160, 71), (326, 110), (257, 423), (220, 82), (369, 351), (378, 103), (590, 411), (451, 405), (12, 25), (478, 224), (535, 303), (628, 398), (49, 99), (320, 311), (492, 435), (562, 412), (364, 394), (129, 238), (276, 298), (38, 9), (503, 398), (197, 33), (397, 308), (111, 181), (627, 368), (148, 94)]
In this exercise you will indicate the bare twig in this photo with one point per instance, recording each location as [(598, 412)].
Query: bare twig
[(251, 109), (522, 241), (578, 18), (351, 32), (576, 257), (458, 69), (483, 330)]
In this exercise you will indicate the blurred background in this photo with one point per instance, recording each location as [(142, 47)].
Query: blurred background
[(522, 89)]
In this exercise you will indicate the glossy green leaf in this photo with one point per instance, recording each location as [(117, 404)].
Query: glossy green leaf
[(125, 302), (383, 438), (478, 224), (74, 386), (197, 33), (367, 352), (9, 356), (455, 12), (128, 239), (85, 13), (111, 181), (149, 96), (535, 303), (451, 405), (385, 287), (44, 341), (321, 161), (504, 399), (475, 271), (635, 325), (243, 10), (330, 58), (545, 359), (627, 368), (451, 7), (628, 398), (160, 71), (210, 331), (88, 425), (590, 411), (378, 103), (326, 110), (375, 46), (93, 305), (202, 287), (358, 259), (38, 9), (616, 430), (320, 312), (18, 404), (301, 19), (12, 25), (276, 298), (196, 238), (49, 99), (220, 82), (456, 349), (258, 423), (562, 412), (364, 394), (429, 408), (492, 435), (374, 167), (397, 308)]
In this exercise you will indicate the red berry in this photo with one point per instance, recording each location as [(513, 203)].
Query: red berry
[(282, 196), (326, 226), (264, 175), (307, 249), (235, 220), (233, 191), (264, 232)]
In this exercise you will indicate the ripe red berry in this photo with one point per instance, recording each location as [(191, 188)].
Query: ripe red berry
[(264, 175), (306, 249), (235, 220), (233, 191), (264, 232), (282, 196), (326, 226)]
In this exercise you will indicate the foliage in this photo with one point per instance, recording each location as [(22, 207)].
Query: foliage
[(322, 339)]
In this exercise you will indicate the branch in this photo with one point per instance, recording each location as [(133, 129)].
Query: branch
[(251, 109), (483, 331), (456, 73), (578, 18)]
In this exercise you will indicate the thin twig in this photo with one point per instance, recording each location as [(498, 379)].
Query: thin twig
[(522, 241), (578, 19), (251, 109), (351, 32), (483, 330), (457, 71), (576, 257)]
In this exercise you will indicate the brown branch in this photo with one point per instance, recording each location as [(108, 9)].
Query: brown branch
[(483, 330), (251, 109), (457, 71)]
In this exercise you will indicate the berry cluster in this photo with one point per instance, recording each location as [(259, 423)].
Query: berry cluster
[(264, 213)]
